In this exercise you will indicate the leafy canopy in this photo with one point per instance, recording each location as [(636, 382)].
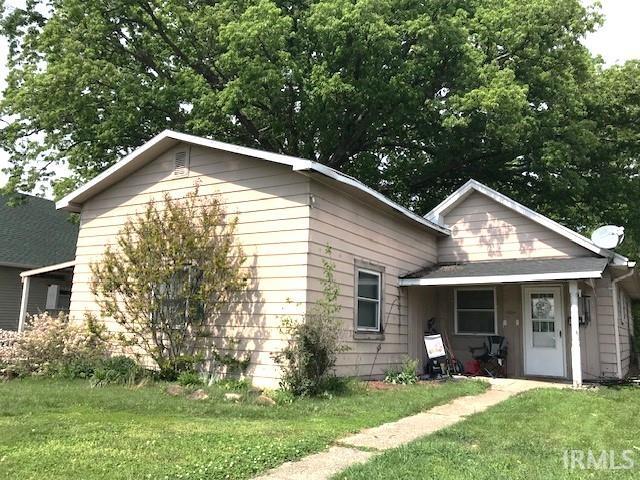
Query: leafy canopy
[(413, 97)]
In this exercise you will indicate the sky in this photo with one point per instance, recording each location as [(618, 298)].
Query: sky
[(616, 41)]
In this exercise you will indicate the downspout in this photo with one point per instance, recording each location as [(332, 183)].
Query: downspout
[(616, 326)]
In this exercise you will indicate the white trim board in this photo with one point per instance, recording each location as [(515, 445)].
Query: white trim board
[(437, 216), (490, 279), (168, 138), (48, 268)]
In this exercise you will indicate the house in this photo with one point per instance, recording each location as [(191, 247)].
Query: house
[(479, 263), (33, 234)]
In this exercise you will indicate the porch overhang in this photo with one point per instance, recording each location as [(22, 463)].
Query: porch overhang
[(507, 271)]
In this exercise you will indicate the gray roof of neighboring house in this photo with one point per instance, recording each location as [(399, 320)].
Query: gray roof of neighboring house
[(34, 234), (512, 267)]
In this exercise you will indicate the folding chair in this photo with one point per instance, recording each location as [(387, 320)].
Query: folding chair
[(492, 356)]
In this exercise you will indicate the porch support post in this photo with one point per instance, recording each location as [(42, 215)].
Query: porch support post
[(26, 281), (576, 363)]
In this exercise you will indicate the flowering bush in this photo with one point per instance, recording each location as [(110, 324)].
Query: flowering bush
[(8, 339), (50, 345)]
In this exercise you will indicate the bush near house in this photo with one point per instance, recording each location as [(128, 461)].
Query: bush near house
[(175, 271), (308, 360), (51, 346)]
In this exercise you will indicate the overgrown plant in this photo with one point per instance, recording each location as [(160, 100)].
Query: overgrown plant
[(175, 271), (308, 360), (52, 346), (405, 375)]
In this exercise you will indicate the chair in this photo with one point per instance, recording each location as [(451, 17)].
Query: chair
[(492, 356)]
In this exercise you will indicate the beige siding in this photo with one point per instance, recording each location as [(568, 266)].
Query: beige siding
[(271, 203), (483, 229), (360, 232), (605, 326)]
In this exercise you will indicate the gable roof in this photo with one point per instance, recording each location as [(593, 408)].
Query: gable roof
[(437, 216), (168, 138), (33, 233)]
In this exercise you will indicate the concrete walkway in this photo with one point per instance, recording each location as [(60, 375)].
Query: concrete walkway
[(362, 446)]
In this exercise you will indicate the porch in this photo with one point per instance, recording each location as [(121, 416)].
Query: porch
[(547, 310), (45, 289)]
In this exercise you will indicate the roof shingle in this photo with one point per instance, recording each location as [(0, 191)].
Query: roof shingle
[(34, 234)]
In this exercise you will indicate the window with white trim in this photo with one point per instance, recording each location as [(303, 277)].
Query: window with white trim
[(369, 301), (475, 311)]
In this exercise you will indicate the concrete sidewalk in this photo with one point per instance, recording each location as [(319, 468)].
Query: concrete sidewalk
[(362, 446)]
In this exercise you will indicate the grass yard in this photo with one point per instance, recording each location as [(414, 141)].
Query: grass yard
[(64, 429), (523, 438)]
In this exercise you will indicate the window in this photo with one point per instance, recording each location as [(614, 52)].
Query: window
[(475, 311), (176, 301), (368, 300)]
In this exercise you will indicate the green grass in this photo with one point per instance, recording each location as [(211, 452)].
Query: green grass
[(60, 430), (522, 438)]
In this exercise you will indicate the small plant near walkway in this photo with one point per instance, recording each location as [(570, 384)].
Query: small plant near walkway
[(308, 360), (175, 271), (405, 375)]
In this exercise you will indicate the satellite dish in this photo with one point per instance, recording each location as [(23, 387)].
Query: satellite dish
[(608, 236)]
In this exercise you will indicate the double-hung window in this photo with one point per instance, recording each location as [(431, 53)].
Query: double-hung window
[(475, 311), (369, 300)]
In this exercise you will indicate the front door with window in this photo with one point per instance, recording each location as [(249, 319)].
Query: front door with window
[(543, 332)]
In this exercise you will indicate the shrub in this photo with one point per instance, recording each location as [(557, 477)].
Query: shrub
[(307, 361), (190, 379), (406, 375), (176, 270), (8, 339), (119, 370), (234, 384), (50, 345)]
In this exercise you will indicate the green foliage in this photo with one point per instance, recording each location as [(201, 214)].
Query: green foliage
[(150, 435), (233, 384), (176, 271), (51, 346), (308, 360), (412, 97), (190, 379), (232, 365), (405, 375), (118, 370)]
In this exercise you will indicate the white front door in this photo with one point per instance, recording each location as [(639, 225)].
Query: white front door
[(543, 331)]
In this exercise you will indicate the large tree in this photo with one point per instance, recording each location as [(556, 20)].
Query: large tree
[(413, 97)]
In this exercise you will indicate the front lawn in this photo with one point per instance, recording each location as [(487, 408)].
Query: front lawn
[(525, 438), (65, 429)]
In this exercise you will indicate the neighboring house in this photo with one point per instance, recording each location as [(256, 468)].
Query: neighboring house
[(479, 263), (33, 234)]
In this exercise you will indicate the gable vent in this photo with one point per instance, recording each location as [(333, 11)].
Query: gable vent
[(180, 164)]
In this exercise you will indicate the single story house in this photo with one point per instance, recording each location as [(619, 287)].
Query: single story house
[(33, 234), (479, 263)]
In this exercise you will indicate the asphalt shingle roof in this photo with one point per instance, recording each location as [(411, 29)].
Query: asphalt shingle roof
[(35, 234), (513, 267)]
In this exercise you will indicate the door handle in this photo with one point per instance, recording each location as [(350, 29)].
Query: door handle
[(560, 333)]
